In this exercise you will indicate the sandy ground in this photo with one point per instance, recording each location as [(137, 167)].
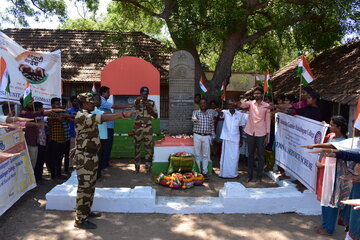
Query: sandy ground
[(28, 219)]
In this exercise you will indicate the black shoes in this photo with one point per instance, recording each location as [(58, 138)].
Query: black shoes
[(85, 225)]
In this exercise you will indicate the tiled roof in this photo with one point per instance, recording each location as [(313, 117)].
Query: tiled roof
[(84, 53), (336, 71)]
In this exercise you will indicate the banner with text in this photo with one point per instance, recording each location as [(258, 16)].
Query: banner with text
[(290, 132), (17, 65), (16, 172)]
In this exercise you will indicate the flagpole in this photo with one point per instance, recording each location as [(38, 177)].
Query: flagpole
[(34, 111), (272, 94), (300, 105), (10, 113)]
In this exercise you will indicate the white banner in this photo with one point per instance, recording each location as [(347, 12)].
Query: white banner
[(290, 132), (17, 65), (16, 172)]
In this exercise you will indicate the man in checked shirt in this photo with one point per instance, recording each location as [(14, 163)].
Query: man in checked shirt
[(204, 132)]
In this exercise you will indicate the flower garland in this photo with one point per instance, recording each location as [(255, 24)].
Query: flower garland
[(178, 180)]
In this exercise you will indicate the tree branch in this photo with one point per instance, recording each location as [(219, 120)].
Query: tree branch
[(269, 28), (38, 7), (169, 5), (138, 5)]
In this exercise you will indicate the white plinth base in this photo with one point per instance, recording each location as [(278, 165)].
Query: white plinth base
[(161, 154), (233, 198)]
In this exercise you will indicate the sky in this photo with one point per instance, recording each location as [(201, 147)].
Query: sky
[(53, 23)]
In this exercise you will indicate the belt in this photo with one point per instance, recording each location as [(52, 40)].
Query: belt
[(143, 124), (88, 150), (203, 134)]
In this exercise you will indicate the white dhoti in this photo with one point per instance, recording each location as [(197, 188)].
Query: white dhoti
[(229, 159)]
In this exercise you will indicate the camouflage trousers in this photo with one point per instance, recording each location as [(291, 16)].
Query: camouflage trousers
[(87, 167), (143, 135)]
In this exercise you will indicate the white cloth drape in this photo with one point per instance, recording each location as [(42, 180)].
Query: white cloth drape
[(229, 159)]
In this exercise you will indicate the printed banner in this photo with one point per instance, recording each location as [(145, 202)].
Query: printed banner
[(350, 144), (16, 173), (290, 132), (17, 65)]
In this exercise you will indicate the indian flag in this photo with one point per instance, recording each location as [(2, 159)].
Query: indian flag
[(5, 76), (266, 84), (356, 117), (223, 91), (203, 89), (160, 177), (27, 94), (304, 71), (258, 82), (93, 89)]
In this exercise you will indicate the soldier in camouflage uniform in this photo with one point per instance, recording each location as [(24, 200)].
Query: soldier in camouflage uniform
[(87, 145), (143, 129)]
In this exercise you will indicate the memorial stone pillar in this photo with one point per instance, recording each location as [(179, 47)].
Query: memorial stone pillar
[(181, 93)]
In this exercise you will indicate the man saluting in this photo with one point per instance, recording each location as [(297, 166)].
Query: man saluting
[(87, 145), (143, 128)]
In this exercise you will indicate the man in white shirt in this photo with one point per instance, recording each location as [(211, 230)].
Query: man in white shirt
[(230, 135)]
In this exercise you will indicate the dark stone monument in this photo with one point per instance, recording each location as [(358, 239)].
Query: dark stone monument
[(181, 93)]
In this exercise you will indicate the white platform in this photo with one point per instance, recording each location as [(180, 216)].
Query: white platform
[(162, 153), (233, 198)]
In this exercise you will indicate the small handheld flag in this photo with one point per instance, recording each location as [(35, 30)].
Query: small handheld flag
[(4, 74), (266, 85), (93, 89), (203, 88), (223, 91), (27, 94), (258, 82), (304, 71)]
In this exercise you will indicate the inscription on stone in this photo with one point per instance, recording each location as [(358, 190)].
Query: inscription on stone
[(181, 93)]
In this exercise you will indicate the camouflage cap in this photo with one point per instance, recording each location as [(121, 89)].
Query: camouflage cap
[(144, 90), (86, 97)]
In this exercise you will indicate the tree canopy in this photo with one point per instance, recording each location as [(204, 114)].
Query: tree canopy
[(227, 30), (229, 35)]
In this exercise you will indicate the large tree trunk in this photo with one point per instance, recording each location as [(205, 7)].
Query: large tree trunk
[(223, 66)]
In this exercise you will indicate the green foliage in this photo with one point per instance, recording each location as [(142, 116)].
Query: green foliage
[(296, 26), (20, 10), (237, 35)]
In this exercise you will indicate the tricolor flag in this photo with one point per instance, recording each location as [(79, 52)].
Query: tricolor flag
[(223, 91), (93, 89), (27, 94), (203, 89), (357, 110), (5, 76), (304, 71), (160, 177), (266, 84), (258, 82)]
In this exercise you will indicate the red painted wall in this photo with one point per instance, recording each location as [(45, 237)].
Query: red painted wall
[(126, 75)]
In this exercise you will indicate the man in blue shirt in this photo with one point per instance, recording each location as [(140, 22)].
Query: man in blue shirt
[(106, 107)]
